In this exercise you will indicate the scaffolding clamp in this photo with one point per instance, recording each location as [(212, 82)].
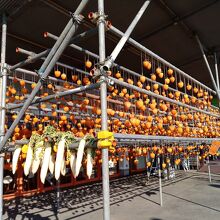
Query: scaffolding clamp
[(98, 17), (3, 108), (40, 74), (105, 139), (77, 17), (98, 71), (4, 70)]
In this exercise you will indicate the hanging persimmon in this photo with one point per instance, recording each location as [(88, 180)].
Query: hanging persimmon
[(127, 105), (63, 117), (195, 89), (148, 164), (66, 108), (155, 86), (22, 83), (165, 87), (74, 78), (13, 91), (153, 77), (57, 73), (79, 82), (33, 85), (164, 165), (50, 86), (147, 64), (63, 76), (158, 70), (130, 81), (24, 91), (169, 150), (152, 155), (170, 72), (167, 81), (180, 84), (147, 87), (142, 79), (139, 103), (172, 79), (189, 87), (88, 64), (118, 75), (160, 75), (54, 114)]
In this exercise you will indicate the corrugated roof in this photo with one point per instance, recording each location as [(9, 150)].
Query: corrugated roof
[(11, 6)]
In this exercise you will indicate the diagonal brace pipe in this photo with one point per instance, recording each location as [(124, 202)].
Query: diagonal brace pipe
[(216, 70), (109, 62), (208, 67)]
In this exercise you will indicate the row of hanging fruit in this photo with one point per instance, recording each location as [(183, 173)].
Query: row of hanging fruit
[(50, 152)]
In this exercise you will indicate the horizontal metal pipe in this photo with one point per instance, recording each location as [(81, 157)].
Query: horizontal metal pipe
[(57, 63), (11, 146), (82, 36), (21, 50), (84, 72), (161, 97), (52, 36), (29, 60), (139, 137), (35, 57), (60, 94), (130, 138), (155, 56)]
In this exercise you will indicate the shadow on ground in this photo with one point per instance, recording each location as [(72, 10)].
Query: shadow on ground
[(215, 185), (80, 200), (195, 203)]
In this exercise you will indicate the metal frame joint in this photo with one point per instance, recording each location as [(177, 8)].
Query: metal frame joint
[(78, 18), (4, 70), (99, 17)]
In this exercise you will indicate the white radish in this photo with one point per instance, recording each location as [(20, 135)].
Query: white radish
[(52, 163), (89, 164), (45, 162), (79, 157), (28, 162), (37, 158), (73, 162), (59, 159), (15, 158), (63, 167)]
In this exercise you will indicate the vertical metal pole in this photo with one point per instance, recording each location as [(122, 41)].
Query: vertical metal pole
[(197, 162), (160, 182), (208, 67), (58, 196), (188, 163), (209, 171), (3, 84), (216, 70), (103, 94)]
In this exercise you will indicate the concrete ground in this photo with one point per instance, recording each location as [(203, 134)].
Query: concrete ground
[(189, 197), (214, 167)]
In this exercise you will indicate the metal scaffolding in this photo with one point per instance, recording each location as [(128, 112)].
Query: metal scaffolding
[(50, 59), (3, 85)]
